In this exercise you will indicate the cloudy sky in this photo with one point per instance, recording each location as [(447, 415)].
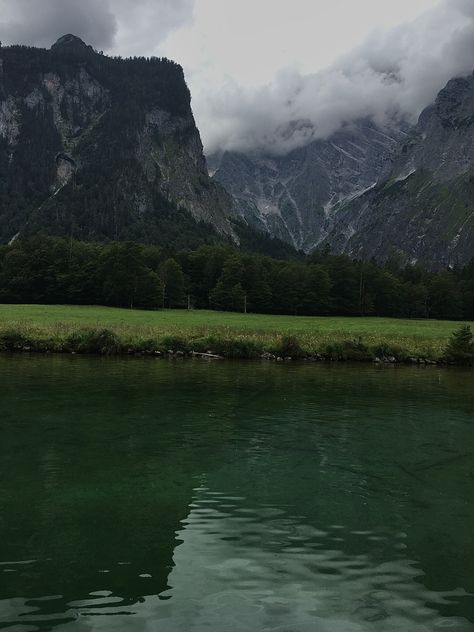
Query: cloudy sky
[(270, 75)]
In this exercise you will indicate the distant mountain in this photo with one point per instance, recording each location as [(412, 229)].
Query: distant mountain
[(101, 148), (296, 196), (424, 209), (369, 192)]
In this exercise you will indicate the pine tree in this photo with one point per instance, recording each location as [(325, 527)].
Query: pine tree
[(461, 345)]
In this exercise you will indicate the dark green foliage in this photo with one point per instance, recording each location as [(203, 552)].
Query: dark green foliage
[(355, 350), (229, 295), (461, 346), (126, 274), (289, 347), (232, 348), (13, 340), (316, 296), (445, 298), (127, 280), (385, 352), (101, 341), (172, 279), (347, 287), (173, 343), (255, 241)]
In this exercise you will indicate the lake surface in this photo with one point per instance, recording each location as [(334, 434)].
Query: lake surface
[(152, 495)]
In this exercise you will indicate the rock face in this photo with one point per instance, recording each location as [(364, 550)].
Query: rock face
[(100, 148), (369, 192), (297, 197), (424, 210)]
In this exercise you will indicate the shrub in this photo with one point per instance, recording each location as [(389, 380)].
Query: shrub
[(101, 341), (13, 340), (174, 343), (385, 350), (461, 346), (233, 348), (349, 350), (289, 347)]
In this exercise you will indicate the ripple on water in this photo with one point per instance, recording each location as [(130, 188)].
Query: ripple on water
[(297, 499)]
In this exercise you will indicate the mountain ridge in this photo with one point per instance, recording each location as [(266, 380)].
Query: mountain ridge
[(424, 210), (412, 194), (101, 148)]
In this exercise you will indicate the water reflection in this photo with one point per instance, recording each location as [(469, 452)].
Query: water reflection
[(194, 497), (270, 570)]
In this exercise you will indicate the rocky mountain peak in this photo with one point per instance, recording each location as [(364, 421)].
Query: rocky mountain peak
[(117, 154), (72, 44)]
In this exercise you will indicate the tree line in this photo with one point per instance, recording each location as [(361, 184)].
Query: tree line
[(52, 270)]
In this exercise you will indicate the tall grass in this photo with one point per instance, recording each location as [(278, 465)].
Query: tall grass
[(66, 329)]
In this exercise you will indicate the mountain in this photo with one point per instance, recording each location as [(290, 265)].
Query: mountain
[(370, 192), (101, 148), (297, 196), (425, 208)]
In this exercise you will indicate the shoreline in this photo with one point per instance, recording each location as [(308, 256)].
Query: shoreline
[(106, 343), (94, 330)]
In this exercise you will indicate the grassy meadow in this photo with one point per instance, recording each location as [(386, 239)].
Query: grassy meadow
[(59, 328)]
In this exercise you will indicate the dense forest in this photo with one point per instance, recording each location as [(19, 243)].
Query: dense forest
[(53, 270)]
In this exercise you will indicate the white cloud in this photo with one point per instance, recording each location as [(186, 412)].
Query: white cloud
[(128, 27), (272, 74), (395, 73), (42, 23)]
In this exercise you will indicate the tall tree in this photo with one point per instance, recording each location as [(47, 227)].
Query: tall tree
[(172, 277), (229, 294)]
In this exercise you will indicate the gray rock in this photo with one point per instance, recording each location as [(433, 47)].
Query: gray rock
[(368, 192), (68, 99), (297, 196)]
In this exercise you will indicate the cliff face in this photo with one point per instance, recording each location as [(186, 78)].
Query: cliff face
[(369, 192), (100, 148), (297, 197), (425, 208)]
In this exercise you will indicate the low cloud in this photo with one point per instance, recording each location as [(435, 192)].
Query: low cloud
[(393, 76), (25, 22), (139, 27)]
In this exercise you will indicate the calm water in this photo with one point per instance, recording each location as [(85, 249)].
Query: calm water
[(157, 496)]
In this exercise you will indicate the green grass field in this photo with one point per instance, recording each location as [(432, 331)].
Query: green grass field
[(198, 330)]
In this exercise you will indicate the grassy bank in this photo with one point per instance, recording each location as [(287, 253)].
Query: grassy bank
[(104, 330)]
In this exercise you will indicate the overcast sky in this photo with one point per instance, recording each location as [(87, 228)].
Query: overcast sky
[(273, 74)]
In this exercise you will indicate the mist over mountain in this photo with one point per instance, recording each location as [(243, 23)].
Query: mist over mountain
[(369, 156), (424, 209), (389, 79), (295, 196), (387, 76), (370, 191)]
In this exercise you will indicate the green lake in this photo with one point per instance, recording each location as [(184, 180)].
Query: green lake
[(186, 496)]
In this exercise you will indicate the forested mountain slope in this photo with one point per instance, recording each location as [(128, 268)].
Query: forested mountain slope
[(99, 148)]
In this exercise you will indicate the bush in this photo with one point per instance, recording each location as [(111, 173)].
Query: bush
[(289, 347), (461, 346), (233, 348), (385, 350), (13, 340), (349, 350), (101, 341), (174, 343)]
